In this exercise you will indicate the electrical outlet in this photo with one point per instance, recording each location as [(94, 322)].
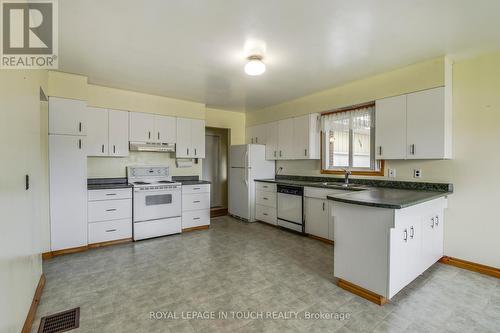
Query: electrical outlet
[(391, 173), (417, 173)]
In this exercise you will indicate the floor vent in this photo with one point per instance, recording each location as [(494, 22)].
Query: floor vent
[(60, 322)]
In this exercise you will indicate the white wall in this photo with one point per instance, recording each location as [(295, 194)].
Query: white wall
[(23, 147)]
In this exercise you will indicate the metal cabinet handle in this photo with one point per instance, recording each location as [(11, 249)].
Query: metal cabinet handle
[(195, 152), (265, 214), (437, 220), (251, 140), (432, 224), (196, 218), (196, 201), (265, 198), (158, 135), (412, 149), (102, 149), (79, 143), (114, 149), (405, 235), (111, 210), (323, 206), (80, 127), (110, 193), (110, 230), (380, 150), (187, 150), (149, 134), (280, 153), (265, 186), (412, 232), (196, 188), (305, 152)]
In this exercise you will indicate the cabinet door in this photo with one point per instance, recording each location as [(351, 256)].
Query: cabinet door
[(272, 140), (250, 135), (285, 139), (425, 124), (165, 129), (183, 142), (260, 134), (141, 127), (118, 132), (300, 149), (432, 239), (97, 132), (68, 192), (198, 138), (67, 116), (390, 130), (316, 212)]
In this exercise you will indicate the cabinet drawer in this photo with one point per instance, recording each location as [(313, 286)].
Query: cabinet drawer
[(266, 214), (195, 201), (109, 210), (111, 194), (110, 230), (195, 218), (268, 187), (265, 198), (189, 189)]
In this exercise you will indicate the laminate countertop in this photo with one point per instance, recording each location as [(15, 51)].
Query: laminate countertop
[(107, 183), (360, 194)]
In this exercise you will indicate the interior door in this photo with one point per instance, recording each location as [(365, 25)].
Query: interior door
[(97, 131), (118, 133), (390, 131), (211, 168), (141, 127)]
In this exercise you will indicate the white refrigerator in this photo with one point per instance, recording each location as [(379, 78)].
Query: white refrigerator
[(246, 163)]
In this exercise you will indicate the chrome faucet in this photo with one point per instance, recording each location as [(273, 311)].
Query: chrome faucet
[(347, 172)]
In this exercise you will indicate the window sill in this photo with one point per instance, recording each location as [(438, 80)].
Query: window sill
[(358, 172)]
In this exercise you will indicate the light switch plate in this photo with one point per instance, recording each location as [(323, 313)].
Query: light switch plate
[(391, 173), (417, 173)]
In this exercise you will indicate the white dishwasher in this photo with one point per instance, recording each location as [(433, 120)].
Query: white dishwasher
[(290, 207)]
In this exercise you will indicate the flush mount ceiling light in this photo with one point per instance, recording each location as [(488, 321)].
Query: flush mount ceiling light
[(255, 66)]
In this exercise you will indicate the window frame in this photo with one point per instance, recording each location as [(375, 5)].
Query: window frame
[(354, 171)]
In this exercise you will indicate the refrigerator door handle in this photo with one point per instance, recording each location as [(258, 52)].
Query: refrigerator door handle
[(245, 174)]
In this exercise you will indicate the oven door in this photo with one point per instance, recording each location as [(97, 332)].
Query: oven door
[(156, 204)]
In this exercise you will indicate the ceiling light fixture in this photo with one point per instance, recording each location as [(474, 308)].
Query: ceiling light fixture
[(255, 66)]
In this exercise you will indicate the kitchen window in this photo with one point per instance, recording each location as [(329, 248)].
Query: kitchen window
[(348, 141)]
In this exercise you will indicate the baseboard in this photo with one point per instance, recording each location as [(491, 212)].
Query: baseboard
[(216, 212), (51, 254), (362, 292), (201, 227), (28, 323), (471, 266), (321, 239), (109, 243)]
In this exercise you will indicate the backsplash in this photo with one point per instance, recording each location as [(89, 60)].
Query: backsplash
[(109, 167)]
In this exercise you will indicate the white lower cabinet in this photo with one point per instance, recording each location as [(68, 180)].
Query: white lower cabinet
[(265, 202), (195, 206), (382, 249), (109, 215)]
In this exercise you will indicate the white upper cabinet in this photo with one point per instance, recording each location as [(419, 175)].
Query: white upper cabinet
[(118, 133), (190, 138), (390, 130), (256, 134), (285, 139), (306, 137), (165, 129), (414, 126), (67, 116), (427, 124), (97, 131), (198, 137), (142, 126), (272, 141)]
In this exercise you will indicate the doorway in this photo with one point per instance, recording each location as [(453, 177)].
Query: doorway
[(214, 168)]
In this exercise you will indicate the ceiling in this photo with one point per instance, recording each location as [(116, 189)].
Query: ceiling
[(196, 50)]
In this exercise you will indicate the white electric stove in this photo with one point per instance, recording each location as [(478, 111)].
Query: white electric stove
[(157, 202)]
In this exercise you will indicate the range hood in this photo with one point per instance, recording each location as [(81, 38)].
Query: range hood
[(152, 146)]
